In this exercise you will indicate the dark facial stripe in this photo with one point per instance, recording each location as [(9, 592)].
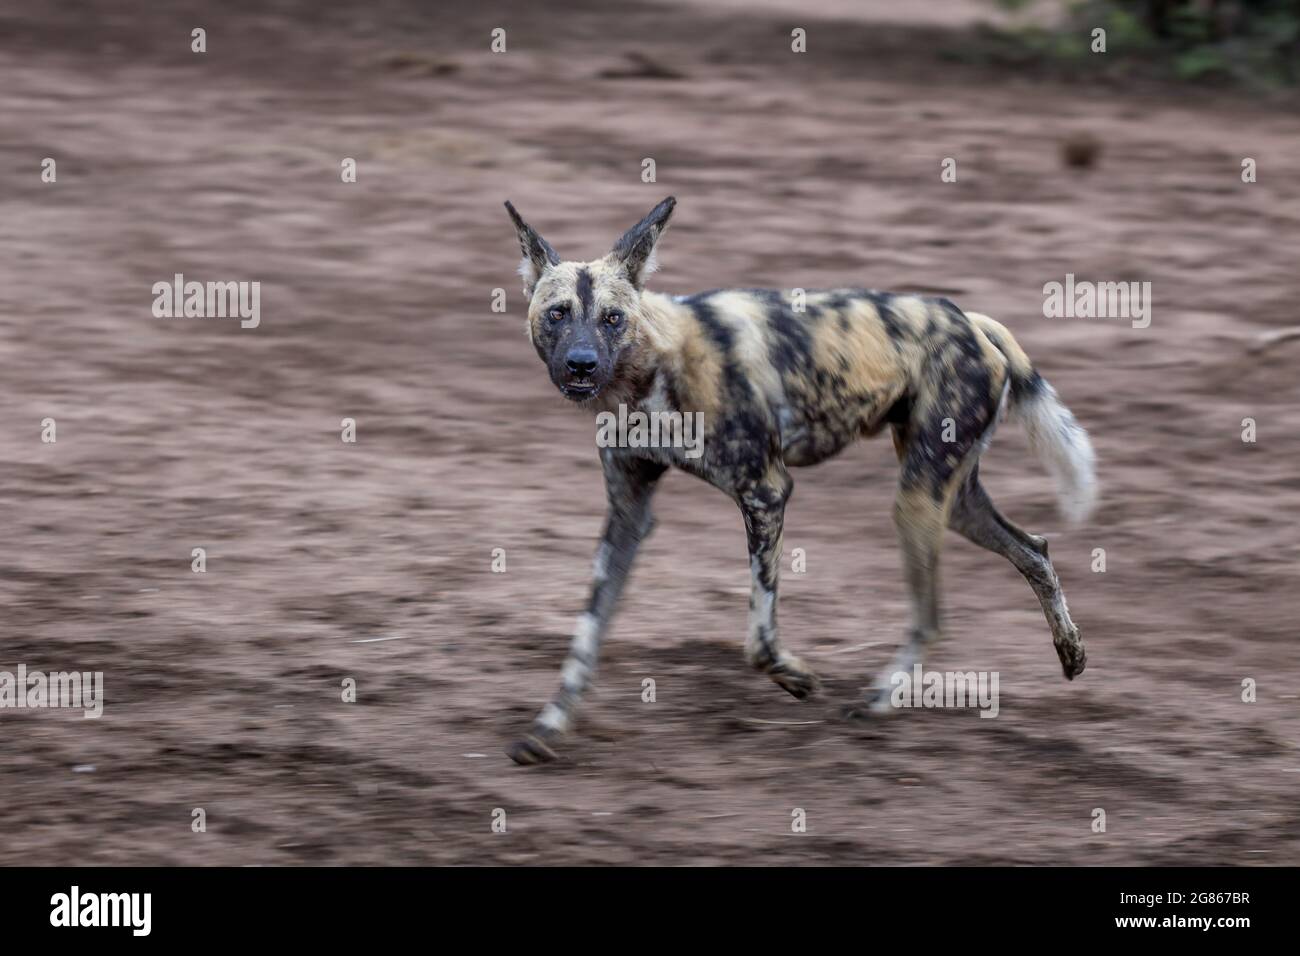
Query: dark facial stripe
[(584, 292)]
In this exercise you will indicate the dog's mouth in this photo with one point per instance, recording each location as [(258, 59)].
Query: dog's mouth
[(580, 390)]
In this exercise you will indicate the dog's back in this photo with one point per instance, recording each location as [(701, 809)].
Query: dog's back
[(824, 368)]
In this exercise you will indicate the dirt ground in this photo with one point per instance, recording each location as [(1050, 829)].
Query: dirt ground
[(372, 560)]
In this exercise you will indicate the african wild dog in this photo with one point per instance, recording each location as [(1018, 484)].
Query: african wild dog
[(781, 386)]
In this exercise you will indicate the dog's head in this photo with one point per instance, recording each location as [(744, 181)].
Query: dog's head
[(584, 318)]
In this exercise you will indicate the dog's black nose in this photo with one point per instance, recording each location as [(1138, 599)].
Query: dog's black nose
[(581, 362)]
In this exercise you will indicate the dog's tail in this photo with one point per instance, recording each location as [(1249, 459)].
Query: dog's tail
[(1057, 439)]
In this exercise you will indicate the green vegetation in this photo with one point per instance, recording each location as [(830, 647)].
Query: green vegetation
[(1256, 42)]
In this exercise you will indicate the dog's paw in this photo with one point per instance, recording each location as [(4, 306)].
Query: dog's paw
[(796, 678), (531, 750), (856, 712), (872, 705), (1073, 657)]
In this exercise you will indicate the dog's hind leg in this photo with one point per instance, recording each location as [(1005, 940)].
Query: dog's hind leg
[(763, 507), (920, 520), (629, 486), (975, 517), (938, 445)]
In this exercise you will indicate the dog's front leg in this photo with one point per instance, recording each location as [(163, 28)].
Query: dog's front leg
[(629, 486), (763, 505)]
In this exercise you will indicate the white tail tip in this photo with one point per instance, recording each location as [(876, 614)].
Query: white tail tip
[(1063, 447)]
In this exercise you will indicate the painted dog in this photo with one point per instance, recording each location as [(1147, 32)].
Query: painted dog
[(787, 379)]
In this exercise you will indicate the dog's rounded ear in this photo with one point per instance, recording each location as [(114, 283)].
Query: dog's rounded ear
[(538, 253), (636, 249)]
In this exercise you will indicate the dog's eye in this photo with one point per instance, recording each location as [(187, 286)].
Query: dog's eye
[(557, 314), (613, 317)]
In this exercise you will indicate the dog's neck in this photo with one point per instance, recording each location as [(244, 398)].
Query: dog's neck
[(660, 352)]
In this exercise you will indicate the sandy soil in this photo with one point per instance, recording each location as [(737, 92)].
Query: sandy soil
[(373, 561)]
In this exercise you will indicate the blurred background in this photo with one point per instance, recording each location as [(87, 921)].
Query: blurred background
[(373, 560)]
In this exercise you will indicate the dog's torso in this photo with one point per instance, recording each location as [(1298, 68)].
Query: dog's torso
[(797, 379)]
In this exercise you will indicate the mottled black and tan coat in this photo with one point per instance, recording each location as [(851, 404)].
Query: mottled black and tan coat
[(786, 380)]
